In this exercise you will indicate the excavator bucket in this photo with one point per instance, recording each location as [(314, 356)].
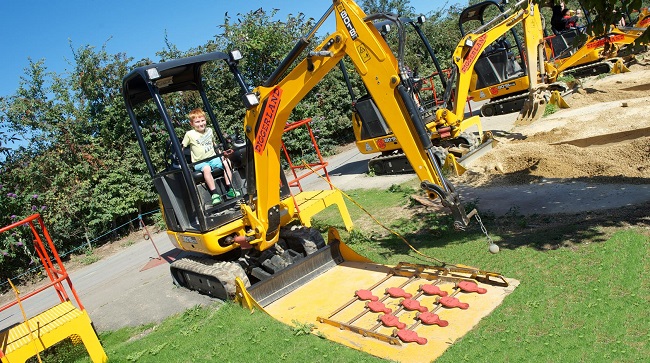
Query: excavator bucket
[(532, 109), (619, 67), (557, 100), (407, 313)]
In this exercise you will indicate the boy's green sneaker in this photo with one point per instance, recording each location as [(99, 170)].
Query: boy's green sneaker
[(232, 193), (216, 199)]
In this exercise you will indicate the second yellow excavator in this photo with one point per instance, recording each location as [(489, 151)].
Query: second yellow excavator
[(572, 51), (481, 70)]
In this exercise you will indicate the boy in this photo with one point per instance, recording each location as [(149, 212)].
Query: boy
[(201, 141)]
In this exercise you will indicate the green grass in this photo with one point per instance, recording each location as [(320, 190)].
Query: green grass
[(566, 78), (583, 296), (550, 109)]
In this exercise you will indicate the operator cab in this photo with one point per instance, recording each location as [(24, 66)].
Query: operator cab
[(500, 61), (158, 99), (562, 44)]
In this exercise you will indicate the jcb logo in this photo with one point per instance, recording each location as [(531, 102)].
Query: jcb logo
[(346, 20)]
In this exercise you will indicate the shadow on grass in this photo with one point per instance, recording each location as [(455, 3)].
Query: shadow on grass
[(429, 228), (546, 232)]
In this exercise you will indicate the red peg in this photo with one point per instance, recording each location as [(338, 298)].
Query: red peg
[(378, 307), (366, 295), (392, 320), (431, 289), (398, 292), (470, 286), (429, 318), (452, 302), (409, 336), (411, 304)]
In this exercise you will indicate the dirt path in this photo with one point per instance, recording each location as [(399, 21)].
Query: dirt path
[(594, 155)]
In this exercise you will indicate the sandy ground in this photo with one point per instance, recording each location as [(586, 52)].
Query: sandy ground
[(605, 135), (594, 155)]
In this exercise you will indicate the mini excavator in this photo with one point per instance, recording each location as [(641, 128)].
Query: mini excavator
[(373, 134), (574, 52), (258, 248)]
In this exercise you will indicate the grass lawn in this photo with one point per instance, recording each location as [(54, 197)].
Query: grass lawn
[(583, 295)]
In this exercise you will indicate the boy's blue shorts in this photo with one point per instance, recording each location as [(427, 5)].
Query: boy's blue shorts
[(214, 163)]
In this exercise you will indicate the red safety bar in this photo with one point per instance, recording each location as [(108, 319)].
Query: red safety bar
[(54, 268), (313, 167)]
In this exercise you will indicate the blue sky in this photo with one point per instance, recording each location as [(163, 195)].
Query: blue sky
[(50, 29)]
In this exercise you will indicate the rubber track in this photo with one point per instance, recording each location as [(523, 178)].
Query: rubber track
[(578, 71), (384, 159), (220, 271)]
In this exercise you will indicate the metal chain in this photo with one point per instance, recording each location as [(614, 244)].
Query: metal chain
[(480, 223)]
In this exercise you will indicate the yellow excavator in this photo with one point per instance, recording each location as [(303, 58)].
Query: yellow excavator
[(472, 48), (572, 52), (374, 136), (258, 248), (500, 75), (479, 73)]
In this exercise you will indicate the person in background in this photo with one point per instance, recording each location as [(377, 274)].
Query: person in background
[(556, 19), (569, 21), (201, 141)]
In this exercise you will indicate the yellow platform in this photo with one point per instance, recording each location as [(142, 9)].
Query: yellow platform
[(47, 329), (311, 203), (317, 300)]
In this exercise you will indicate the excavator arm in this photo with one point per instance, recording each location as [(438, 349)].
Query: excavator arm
[(357, 38)]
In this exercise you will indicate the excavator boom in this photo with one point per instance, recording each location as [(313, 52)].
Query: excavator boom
[(382, 75)]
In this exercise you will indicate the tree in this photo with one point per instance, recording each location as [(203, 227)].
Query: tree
[(399, 7), (81, 158)]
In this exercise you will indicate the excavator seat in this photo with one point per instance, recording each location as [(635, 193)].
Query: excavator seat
[(496, 65), (199, 179)]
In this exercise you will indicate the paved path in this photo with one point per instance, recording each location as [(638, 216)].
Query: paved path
[(116, 293)]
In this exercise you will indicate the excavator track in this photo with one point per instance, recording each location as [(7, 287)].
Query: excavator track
[(591, 69), (397, 163), (504, 105), (208, 276), (514, 103), (217, 278)]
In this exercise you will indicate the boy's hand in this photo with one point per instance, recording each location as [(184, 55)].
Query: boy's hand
[(228, 152)]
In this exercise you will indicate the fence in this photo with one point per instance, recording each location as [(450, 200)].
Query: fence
[(88, 244)]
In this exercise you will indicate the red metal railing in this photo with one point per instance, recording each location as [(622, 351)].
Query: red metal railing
[(51, 262), (313, 167)]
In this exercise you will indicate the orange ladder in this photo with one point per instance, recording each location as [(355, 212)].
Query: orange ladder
[(310, 203), (63, 320)]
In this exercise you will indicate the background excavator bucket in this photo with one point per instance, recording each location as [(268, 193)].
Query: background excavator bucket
[(619, 67), (557, 100), (407, 313), (532, 109)]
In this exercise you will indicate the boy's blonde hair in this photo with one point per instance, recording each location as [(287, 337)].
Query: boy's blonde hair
[(196, 113)]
